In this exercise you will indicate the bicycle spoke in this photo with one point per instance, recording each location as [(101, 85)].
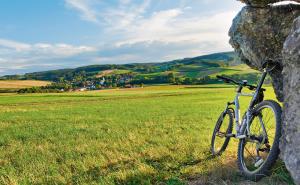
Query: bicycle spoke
[(255, 125), (268, 119), (249, 153)]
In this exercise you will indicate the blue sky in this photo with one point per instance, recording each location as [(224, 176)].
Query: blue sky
[(38, 35)]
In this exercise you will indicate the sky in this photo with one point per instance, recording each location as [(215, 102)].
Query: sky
[(38, 35)]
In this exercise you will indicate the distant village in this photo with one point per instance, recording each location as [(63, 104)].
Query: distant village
[(103, 84), (81, 83)]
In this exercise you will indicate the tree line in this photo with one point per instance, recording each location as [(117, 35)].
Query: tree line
[(127, 80)]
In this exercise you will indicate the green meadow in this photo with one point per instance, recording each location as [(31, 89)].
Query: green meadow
[(151, 135)]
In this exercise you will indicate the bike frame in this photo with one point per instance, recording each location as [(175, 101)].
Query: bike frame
[(243, 125)]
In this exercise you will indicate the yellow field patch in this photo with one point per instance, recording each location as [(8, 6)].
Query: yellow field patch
[(9, 84), (103, 73)]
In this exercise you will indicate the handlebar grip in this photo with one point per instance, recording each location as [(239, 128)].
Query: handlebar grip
[(222, 78), (226, 79)]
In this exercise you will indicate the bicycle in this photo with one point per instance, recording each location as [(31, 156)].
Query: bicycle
[(258, 131)]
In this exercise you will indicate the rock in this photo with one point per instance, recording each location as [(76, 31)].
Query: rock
[(270, 33), (261, 3), (290, 143), (258, 34)]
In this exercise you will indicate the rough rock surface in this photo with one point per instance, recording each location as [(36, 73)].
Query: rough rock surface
[(262, 3), (259, 3), (265, 33), (290, 145), (258, 34)]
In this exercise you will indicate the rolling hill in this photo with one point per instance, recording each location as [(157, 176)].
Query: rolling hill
[(198, 67), (197, 70)]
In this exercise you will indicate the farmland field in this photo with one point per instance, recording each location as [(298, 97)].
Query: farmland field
[(151, 135), (17, 84)]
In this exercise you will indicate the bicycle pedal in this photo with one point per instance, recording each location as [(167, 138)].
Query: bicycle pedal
[(230, 135), (241, 136), (259, 163)]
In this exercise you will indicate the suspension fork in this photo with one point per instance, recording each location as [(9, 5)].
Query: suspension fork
[(231, 110), (245, 126), (237, 114)]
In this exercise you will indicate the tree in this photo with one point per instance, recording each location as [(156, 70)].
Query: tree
[(188, 81), (171, 78)]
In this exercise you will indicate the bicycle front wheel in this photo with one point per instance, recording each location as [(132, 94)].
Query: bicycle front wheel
[(259, 151), (219, 141)]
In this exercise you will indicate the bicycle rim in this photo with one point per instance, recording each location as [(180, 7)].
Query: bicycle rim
[(223, 127), (257, 148)]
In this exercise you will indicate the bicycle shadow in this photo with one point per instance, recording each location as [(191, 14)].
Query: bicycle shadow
[(219, 170), (227, 173)]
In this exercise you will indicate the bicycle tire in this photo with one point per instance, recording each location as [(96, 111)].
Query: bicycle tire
[(216, 129), (273, 153)]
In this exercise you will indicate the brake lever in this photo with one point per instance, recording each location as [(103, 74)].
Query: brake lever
[(251, 88)]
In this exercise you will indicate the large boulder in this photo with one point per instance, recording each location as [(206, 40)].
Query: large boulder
[(259, 3), (290, 145), (258, 34), (262, 3), (270, 33)]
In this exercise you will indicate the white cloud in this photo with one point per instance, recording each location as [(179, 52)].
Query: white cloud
[(156, 51), (2, 60), (50, 50), (15, 56), (14, 45), (172, 26), (131, 23), (85, 9), (61, 50), (125, 2), (130, 31), (91, 10), (124, 14)]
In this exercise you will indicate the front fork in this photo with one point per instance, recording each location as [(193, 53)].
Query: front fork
[(245, 130), (239, 127)]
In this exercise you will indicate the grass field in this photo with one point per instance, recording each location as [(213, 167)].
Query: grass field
[(151, 135), (17, 84)]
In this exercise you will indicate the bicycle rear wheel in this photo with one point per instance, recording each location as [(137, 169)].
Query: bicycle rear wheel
[(258, 152)]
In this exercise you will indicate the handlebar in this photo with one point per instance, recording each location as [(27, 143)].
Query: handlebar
[(229, 80)]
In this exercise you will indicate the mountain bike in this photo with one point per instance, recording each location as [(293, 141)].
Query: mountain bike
[(258, 131)]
